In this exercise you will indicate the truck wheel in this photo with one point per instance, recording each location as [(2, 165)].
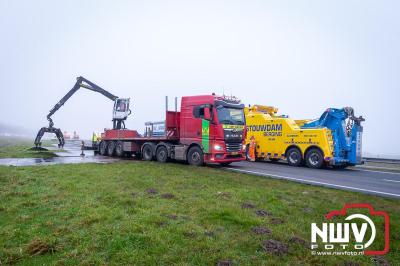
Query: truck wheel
[(111, 148), (293, 156), (162, 154), (103, 148), (195, 156), (147, 153), (119, 149), (314, 158)]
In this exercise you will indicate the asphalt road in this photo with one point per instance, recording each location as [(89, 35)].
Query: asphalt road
[(382, 183)]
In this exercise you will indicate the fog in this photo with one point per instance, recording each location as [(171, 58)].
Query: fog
[(300, 56)]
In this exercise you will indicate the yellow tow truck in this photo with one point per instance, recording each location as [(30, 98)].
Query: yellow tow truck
[(325, 141)]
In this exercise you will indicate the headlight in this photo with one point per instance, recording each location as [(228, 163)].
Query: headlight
[(218, 147)]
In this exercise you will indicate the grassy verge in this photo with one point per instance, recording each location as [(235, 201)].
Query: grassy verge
[(19, 148), (148, 213)]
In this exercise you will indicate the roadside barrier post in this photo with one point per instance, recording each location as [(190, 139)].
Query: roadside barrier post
[(82, 148)]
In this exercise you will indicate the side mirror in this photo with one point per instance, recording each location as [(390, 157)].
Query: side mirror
[(207, 115)]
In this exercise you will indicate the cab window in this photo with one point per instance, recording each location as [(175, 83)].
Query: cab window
[(121, 106), (198, 111)]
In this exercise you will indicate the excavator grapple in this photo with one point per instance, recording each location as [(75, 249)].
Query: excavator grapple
[(54, 130)]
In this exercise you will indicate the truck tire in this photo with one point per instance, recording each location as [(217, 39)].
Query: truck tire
[(103, 148), (111, 148), (293, 156), (195, 156), (147, 153), (314, 158), (119, 149), (162, 154)]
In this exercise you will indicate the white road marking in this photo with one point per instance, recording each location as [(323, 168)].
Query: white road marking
[(390, 180), (382, 172), (313, 182)]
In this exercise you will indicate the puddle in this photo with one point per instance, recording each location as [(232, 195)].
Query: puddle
[(56, 160), (71, 155)]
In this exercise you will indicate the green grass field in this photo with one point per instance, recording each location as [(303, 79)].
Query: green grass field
[(144, 213), (19, 148)]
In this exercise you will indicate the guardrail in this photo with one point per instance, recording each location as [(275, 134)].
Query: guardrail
[(381, 160)]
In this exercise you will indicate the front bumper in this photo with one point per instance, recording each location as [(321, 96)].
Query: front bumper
[(335, 161), (339, 161), (224, 157)]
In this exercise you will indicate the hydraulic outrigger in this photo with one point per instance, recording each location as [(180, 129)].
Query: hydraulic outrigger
[(120, 112)]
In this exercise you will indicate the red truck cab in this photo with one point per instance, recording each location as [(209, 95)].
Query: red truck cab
[(214, 123), (207, 129)]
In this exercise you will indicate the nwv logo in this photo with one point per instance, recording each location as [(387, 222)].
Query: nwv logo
[(334, 235), (340, 232)]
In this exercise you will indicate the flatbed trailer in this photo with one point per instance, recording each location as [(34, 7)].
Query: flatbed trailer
[(207, 129)]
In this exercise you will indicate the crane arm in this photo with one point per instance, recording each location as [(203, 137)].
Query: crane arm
[(93, 87), (81, 82)]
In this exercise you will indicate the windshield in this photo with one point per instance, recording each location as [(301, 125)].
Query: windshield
[(231, 116), (121, 105)]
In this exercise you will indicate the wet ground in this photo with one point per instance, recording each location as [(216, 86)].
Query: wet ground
[(72, 154), (377, 179)]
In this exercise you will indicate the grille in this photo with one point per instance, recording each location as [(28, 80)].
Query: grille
[(233, 147)]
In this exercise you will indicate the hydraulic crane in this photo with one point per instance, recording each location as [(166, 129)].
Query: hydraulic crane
[(120, 111)]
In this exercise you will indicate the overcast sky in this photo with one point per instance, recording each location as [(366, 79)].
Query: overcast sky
[(300, 56)]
